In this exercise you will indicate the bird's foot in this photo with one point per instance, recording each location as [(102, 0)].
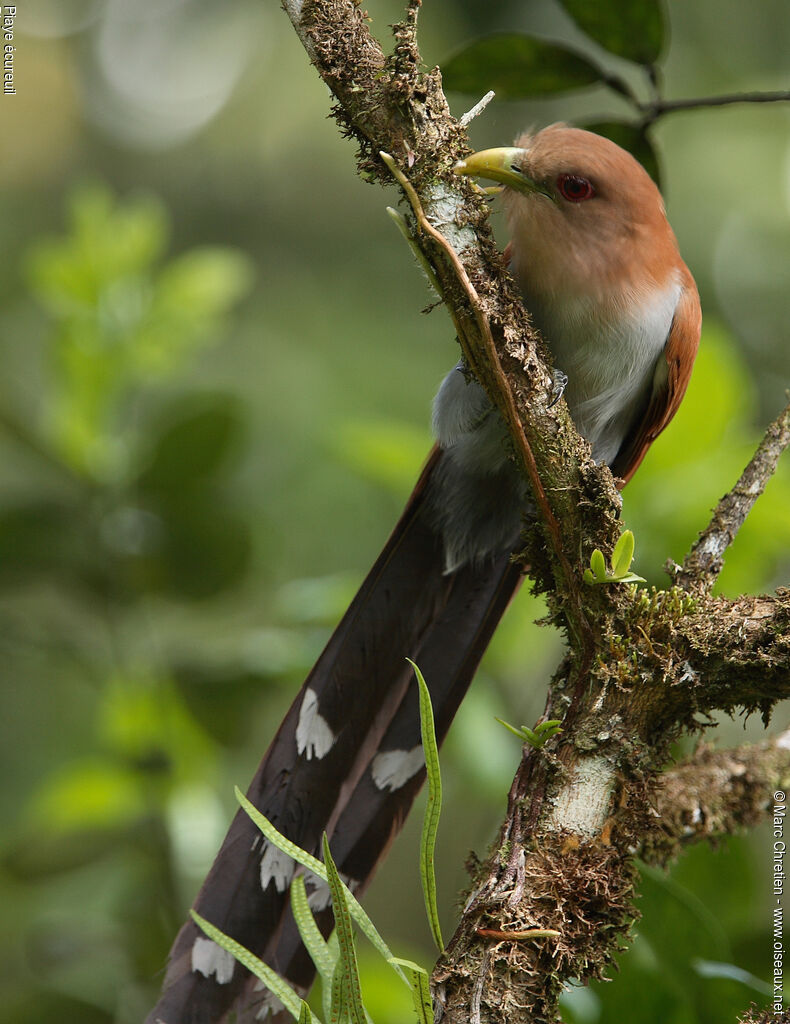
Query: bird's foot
[(559, 383)]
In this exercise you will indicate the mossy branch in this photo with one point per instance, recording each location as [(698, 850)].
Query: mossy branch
[(716, 793)]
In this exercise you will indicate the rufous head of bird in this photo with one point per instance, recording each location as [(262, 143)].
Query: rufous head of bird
[(584, 215)]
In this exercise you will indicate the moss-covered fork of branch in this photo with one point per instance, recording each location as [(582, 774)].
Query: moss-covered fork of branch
[(581, 807), (584, 804)]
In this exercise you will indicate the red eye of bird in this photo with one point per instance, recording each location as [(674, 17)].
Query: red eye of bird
[(574, 188)]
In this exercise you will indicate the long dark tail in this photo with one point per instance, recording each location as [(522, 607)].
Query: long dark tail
[(347, 759)]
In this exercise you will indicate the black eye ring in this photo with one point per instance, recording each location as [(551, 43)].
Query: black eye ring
[(575, 188)]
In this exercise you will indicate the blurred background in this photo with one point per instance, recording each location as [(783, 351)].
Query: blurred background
[(214, 402)]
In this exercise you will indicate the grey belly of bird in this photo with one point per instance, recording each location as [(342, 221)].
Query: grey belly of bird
[(478, 499)]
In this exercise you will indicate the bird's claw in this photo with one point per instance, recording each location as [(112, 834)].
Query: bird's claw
[(559, 384)]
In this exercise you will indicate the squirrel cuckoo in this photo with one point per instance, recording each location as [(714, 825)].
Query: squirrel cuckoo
[(600, 271)]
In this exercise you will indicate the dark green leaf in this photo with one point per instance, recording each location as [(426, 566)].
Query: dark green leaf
[(630, 28), (193, 444), (516, 66), (37, 538), (220, 698), (204, 550), (421, 989), (338, 1000), (633, 138), (36, 1005)]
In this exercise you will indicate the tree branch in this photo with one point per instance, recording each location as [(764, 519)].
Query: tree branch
[(657, 107), (578, 808), (716, 793), (736, 654), (705, 561)]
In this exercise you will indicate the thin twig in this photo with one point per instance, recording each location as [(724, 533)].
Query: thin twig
[(524, 933), (705, 560), (657, 107), (478, 108)]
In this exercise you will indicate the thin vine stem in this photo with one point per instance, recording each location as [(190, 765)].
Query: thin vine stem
[(657, 107)]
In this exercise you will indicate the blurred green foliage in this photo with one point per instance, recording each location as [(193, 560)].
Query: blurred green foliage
[(120, 318), (199, 463), (634, 29), (142, 507), (516, 66)]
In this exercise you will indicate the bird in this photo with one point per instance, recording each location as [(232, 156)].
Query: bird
[(601, 275)]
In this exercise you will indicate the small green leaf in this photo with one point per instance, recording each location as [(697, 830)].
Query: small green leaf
[(89, 794), (433, 807), (536, 737), (108, 240), (312, 938), (305, 1016), (630, 577), (551, 725), (290, 1000), (633, 29), (516, 66), (205, 282), (598, 565), (307, 860), (511, 728), (589, 579), (420, 989), (345, 938), (623, 554)]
